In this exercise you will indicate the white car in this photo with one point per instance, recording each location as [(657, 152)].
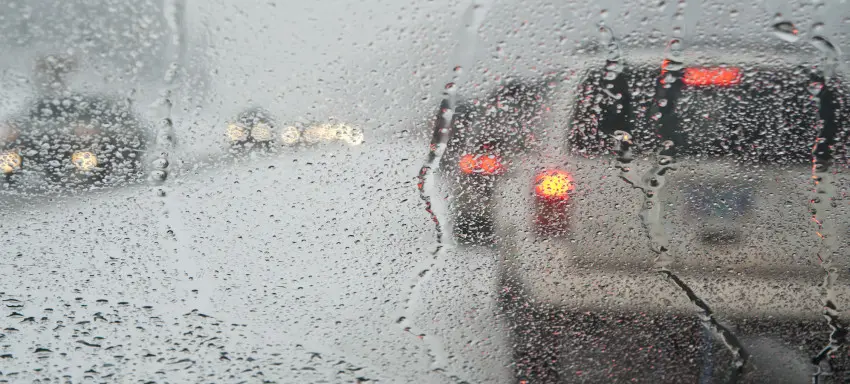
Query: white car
[(655, 205)]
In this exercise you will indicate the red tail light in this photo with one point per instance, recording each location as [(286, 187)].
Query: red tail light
[(708, 76), (467, 164), (712, 76), (481, 164), (553, 185)]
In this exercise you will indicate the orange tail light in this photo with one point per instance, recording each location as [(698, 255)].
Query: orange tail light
[(467, 164), (553, 185), (712, 76), (481, 164), (708, 76)]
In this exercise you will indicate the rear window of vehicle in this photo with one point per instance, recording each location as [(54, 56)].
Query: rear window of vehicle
[(766, 115)]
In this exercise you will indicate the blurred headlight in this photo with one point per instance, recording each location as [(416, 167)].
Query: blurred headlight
[(237, 132), (84, 161), (334, 132), (289, 135), (318, 133), (350, 135), (261, 132), (10, 162)]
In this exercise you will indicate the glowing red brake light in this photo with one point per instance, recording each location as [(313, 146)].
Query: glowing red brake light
[(553, 185), (707, 76), (712, 76), (467, 164), (490, 165), (481, 164)]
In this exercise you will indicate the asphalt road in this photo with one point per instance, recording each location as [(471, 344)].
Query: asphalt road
[(303, 262)]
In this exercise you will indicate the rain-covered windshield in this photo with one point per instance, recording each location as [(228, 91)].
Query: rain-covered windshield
[(448, 191), (752, 112)]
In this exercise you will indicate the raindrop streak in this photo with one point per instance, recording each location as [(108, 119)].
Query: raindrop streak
[(824, 46), (174, 12), (651, 184), (180, 256), (786, 30), (829, 55), (823, 196), (613, 67), (426, 180)]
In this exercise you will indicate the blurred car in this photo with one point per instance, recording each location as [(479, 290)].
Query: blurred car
[(627, 196), (66, 139), (77, 104)]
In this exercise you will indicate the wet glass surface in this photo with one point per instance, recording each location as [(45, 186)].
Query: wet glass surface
[(435, 192)]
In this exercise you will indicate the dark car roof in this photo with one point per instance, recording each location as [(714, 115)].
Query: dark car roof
[(52, 115)]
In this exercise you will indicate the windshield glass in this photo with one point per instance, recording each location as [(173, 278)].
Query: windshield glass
[(447, 191)]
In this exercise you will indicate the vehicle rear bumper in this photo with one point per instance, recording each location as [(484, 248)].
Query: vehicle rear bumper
[(604, 260)]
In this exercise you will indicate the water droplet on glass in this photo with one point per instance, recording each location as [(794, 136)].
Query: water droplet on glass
[(615, 96), (675, 45), (159, 175), (171, 73), (787, 31), (622, 136), (450, 88), (160, 163), (673, 51), (815, 88), (606, 35), (677, 31), (673, 65), (603, 14), (613, 53), (824, 45)]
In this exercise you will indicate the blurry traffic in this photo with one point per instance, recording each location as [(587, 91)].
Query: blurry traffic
[(236, 191)]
